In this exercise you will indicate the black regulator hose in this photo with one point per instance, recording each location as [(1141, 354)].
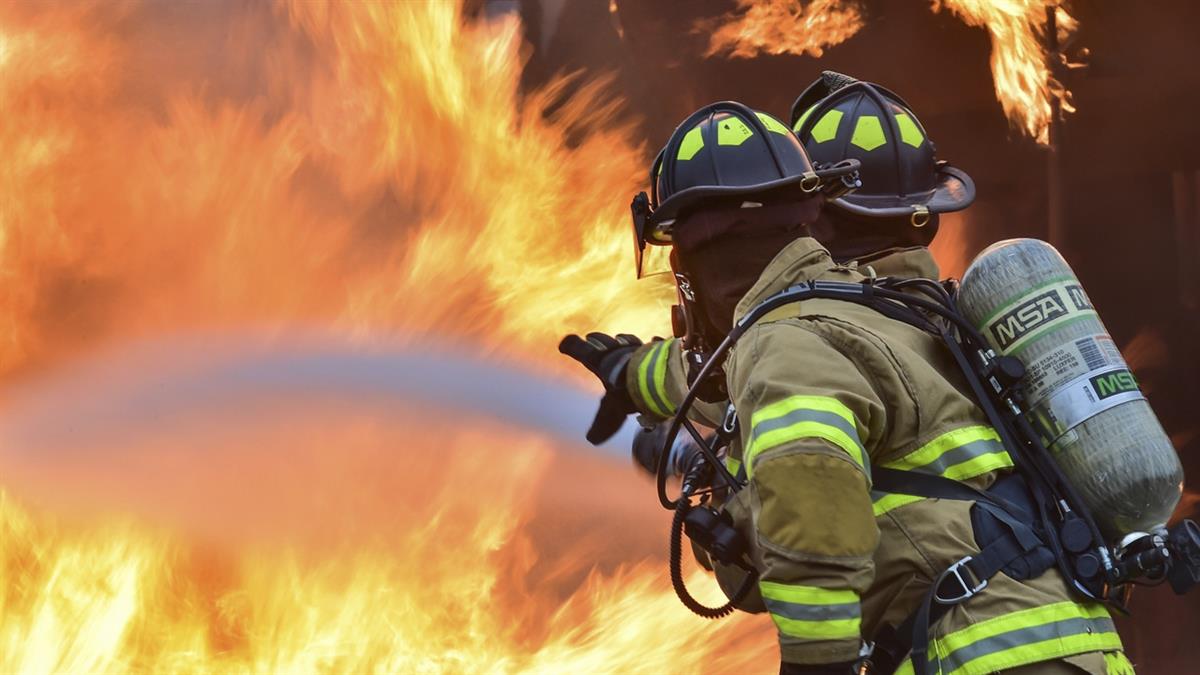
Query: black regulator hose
[(681, 509)]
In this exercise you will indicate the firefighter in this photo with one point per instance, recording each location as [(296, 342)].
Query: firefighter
[(824, 390)]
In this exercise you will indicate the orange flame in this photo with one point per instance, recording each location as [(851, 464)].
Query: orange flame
[(391, 177), (782, 27), (368, 166), (1021, 64), (454, 586)]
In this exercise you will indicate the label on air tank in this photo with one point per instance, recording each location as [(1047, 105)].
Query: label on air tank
[(1048, 306), (1085, 397), (1070, 361)]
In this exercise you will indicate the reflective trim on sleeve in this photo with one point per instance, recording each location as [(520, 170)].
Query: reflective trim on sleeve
[(882, 502), (1118, 664), (798, 417), (652, 379), (733, 464), (812, 613), (1021, 638), (961, 454)]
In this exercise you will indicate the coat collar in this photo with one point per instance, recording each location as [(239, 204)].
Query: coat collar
[(805, 259)]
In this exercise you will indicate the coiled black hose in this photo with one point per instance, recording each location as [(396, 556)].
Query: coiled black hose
[(681, 509)]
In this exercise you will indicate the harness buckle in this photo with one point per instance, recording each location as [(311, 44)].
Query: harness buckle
[(969, 588), (729, 424)]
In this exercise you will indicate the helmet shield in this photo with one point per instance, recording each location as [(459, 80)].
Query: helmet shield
[(649, 260)]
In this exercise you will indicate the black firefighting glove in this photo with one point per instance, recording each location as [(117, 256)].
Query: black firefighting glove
[(606, 357)]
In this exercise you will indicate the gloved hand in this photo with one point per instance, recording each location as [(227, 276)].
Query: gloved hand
[(606, 357)]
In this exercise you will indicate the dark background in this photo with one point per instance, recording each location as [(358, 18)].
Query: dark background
[(1128, 161)]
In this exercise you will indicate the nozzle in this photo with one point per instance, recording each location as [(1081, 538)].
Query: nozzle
[(684, 454)]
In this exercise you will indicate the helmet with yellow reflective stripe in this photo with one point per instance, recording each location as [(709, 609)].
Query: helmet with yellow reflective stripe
[(838, 117), (724, 152)]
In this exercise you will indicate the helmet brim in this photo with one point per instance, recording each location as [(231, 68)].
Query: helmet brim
[(955, 192), (803, 186), (685, 199)]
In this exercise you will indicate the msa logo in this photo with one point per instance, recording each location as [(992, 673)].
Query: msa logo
[(1078, 297), (1111, 384), (1037, 311)]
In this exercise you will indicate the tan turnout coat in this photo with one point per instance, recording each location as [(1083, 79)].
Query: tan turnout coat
[(823, 390)]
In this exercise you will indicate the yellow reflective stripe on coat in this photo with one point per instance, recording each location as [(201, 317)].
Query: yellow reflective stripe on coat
[(882, 502), (812, 613), (652, 379), (961, 454), (1020, 638), (798, 417), (1116, 663), (733, 464)]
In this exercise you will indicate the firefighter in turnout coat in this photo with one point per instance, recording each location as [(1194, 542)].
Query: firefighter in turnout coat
[(824, 390)]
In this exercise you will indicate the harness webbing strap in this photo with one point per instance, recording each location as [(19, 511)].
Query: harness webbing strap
[(953, 587)]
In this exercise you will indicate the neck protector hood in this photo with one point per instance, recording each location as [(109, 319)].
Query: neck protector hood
[(723, 251)]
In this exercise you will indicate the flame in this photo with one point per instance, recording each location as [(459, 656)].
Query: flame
[(454, 586), (1021, 63), (782, 27), (392, 177), (371, 167)]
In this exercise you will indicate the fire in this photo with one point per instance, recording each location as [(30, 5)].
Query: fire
[(782, 27), (1021, 63), (454, 586), (390, 176), (371, 167)]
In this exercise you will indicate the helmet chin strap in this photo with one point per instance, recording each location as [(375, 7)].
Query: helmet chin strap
[(695, 321), (699, 338)]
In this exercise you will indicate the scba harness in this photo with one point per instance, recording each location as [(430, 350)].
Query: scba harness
[(1027, 523)]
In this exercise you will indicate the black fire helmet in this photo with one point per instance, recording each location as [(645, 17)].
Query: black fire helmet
[(726, 153), (838, 117)]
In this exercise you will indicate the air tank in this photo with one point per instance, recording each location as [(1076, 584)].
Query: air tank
[(1024, 298)]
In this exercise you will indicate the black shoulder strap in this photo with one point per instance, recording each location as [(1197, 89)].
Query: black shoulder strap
[(926, 485), (911, 638)]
